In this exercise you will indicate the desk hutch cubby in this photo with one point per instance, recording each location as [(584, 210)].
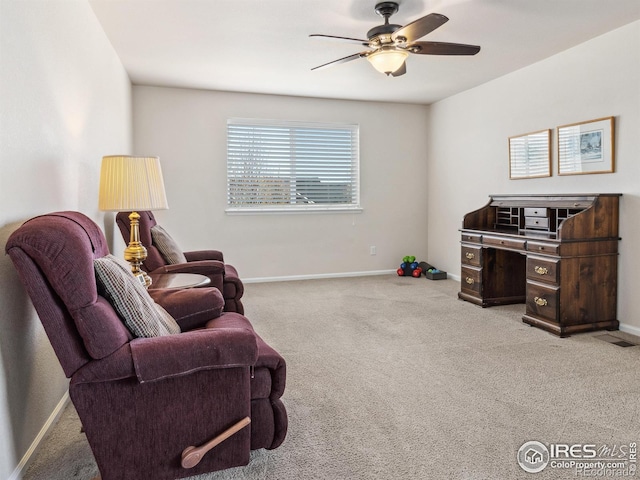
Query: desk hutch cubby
[(558, 254)]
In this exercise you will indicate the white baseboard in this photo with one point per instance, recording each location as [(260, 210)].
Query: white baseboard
[(51, 421), (630, 329), (317, 276)]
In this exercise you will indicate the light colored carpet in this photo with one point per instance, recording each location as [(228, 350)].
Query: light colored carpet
[(395, 378)]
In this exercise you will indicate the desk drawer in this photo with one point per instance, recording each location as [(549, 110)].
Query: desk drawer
[(471, 237), (512, 243), (536, 212), (543, 269), (542, 301), (536, 222), (471, 255), (471, 281), (550, 248)]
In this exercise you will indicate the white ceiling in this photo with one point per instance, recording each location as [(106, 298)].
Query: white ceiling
[(263, 46)]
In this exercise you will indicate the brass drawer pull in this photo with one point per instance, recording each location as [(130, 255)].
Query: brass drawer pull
[(469, 255), (541, 270), (469, 280), (540, 301)]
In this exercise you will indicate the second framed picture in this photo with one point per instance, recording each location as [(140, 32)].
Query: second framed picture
[(586, 147)]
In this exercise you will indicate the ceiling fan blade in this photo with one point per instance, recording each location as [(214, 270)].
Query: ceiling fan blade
[(401, 71), (348, 39), (420, 27), (340, 60), (442, 48)]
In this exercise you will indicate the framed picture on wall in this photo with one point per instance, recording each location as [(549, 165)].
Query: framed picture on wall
[(586, 147), (530, 155)]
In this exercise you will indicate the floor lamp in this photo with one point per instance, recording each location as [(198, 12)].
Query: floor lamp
[(129, 183)]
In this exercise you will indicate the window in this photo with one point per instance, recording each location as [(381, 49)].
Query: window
[(291, 166)]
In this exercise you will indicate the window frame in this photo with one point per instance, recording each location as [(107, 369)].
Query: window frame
[(354, 206)]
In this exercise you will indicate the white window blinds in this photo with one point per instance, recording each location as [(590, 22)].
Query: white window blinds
[(276, 165)]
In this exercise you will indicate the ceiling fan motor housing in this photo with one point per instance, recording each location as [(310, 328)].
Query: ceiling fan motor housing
[(386, 29)]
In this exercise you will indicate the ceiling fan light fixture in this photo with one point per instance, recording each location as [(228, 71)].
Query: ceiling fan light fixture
[(387, 61)]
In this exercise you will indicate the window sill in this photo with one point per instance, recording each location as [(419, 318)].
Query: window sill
[(291, 210)]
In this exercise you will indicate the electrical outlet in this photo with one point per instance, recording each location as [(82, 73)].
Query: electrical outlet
[(372, 250)]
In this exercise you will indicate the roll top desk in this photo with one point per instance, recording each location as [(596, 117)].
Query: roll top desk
[(558, 254)]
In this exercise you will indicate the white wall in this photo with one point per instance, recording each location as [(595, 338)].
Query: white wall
[(468, 155), (187, 129), (65, 101)]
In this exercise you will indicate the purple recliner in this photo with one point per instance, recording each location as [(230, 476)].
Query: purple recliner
[(205, 262), (143, 401)]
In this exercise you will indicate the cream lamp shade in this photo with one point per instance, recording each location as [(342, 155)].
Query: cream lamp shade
[(387, 61), (130, 183)]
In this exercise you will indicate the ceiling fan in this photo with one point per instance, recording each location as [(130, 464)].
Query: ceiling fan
[(391, 44)]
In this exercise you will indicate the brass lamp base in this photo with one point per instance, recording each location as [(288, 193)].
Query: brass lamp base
[(135, 253)]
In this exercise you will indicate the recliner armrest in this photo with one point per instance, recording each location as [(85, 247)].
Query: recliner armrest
[(175, 355), (197, 255), (192, 307)]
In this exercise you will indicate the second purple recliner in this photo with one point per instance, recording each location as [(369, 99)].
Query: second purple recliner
[(205, 262)]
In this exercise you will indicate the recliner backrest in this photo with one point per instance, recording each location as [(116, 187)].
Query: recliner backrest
[(54, 255)]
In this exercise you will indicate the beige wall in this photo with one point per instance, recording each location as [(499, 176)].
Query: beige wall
[(187, 129), (65, 101), (468, 155)]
